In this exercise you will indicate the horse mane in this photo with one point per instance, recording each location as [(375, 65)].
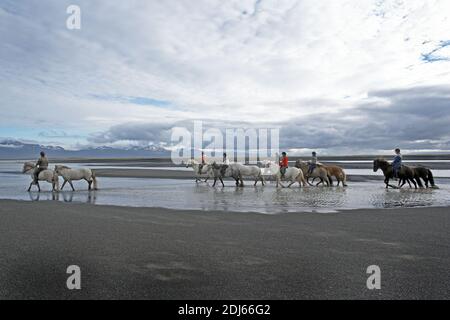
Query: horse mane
[(380, 159), (62, 167)]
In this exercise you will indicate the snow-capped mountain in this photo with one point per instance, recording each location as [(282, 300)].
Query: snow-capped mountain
[(15, 149)]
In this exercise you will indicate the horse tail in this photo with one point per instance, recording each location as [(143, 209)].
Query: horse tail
[(431, 178), (343, 177), (94, 180)]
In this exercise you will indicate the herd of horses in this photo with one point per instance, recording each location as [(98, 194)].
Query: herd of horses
[(300, 174)]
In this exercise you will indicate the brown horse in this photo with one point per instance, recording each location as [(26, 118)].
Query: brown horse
[(406, 174), (318, 172), (338, 173)]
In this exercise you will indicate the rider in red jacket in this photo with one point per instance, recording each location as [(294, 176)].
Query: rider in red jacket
[(284, 163)]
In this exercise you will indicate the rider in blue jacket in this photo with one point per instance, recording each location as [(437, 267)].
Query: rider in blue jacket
[(397, 163)]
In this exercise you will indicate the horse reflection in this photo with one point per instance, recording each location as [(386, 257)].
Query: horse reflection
[(65, 196)]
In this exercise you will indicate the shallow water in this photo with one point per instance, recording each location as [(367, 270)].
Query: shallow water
[(185, 194), (14, 166)]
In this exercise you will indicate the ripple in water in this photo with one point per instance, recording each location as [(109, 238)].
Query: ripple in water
[(185, 194)]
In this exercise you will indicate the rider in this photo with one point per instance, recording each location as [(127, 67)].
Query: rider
[(312, 163), (203, 162), (41, 165), (397, 163), (284, 163), (225, 160)]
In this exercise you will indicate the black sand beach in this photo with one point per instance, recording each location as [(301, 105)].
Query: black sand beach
[(151, 253)]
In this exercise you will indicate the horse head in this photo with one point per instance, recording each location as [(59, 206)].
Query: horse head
[(299, 164), (191, 163), (27, 166), (379, 163), (59, 169)]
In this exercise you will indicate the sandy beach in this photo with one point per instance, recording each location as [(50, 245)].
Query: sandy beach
[(153, 253)]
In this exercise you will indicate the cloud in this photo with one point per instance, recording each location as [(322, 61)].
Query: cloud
[(326, 67), (142, 133), (414, 119)]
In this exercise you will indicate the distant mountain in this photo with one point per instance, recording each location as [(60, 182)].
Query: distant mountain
[(14, 149)]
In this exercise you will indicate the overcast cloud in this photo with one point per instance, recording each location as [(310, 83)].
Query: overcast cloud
[(338, 76)]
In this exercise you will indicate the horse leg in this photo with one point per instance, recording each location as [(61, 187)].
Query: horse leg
[(299, 180), (89, 183), (419, 183), (414, 183), (29, 188), (304, 181), (221, 180), (70, 182), (39, 187), (64, 183), (426, 181), (214, 184)]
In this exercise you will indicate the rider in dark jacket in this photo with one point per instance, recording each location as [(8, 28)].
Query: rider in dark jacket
[(41, 165)]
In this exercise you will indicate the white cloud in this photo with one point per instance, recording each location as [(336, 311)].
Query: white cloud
[(228, 60)]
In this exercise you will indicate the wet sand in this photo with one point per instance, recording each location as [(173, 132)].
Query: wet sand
[(152, 253)]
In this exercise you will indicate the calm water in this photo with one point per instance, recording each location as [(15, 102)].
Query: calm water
[(185, 194)]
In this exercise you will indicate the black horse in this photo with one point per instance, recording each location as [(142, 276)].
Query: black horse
[(425, 174), (405, 174)]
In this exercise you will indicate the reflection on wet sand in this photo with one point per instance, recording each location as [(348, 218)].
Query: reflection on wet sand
[(185, 194), (65, 196), (404, 197)]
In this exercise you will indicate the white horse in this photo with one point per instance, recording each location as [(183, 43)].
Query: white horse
[(46, 175), (235, 171), (219, 171), (292, 174), (199, 174), (69, 175), (246, 171)]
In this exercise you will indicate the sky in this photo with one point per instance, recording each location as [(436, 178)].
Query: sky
[(340, 77)]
